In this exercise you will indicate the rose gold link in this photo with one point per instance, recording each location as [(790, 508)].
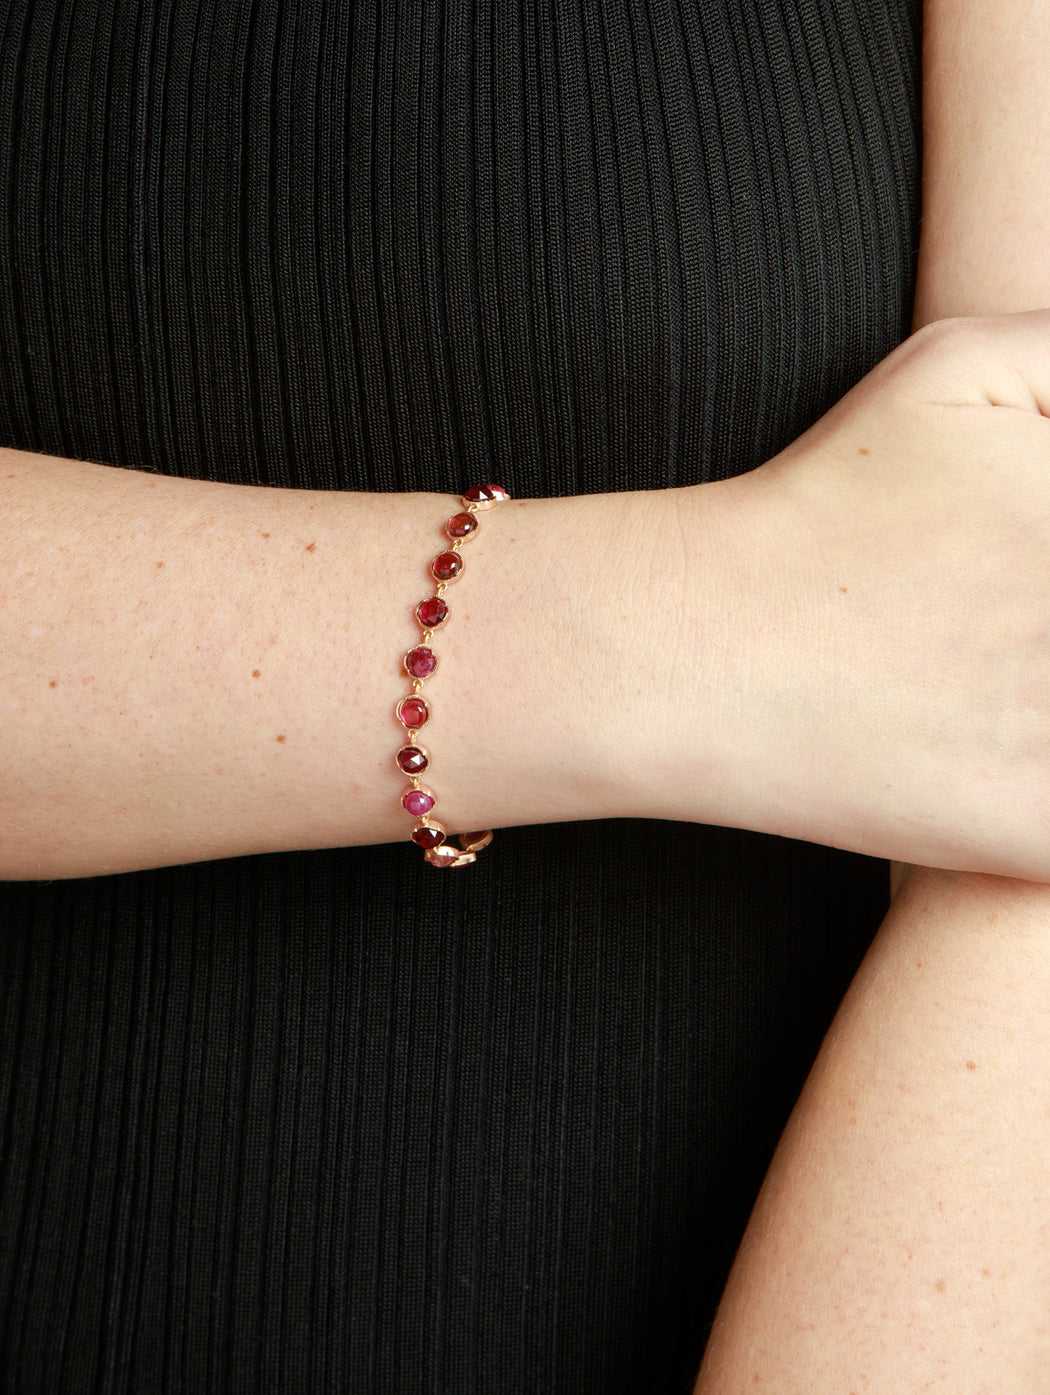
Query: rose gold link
[(446, 856)]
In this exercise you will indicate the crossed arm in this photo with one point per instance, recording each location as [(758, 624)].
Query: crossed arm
[(901, 1240)]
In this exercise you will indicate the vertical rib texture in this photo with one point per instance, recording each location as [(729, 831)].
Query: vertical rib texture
[(330, 1122)]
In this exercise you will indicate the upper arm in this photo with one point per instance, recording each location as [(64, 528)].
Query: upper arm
[(985, 244)]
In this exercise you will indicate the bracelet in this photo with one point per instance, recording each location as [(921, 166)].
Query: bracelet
[(413, 712)]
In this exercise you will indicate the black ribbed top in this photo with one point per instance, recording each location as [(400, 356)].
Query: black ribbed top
[(333, 1121)]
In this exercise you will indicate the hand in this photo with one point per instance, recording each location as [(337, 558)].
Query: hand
[(885, 652)]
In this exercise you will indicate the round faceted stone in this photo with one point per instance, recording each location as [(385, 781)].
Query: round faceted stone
[(421, 661), (413, 760), (485, 494), (432, 613), (413, 712), (418, 802), (474, 842), (462, 525), (447, 567), (428, 835)]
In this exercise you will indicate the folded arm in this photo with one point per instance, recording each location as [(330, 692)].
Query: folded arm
[(899, 1243)]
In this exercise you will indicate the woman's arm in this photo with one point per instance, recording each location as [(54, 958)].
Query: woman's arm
[(191, 670), (985, 246), (757, 653), (900, 1242), (194, 670)]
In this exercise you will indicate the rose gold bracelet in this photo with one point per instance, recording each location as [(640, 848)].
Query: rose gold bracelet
[(413, 712)]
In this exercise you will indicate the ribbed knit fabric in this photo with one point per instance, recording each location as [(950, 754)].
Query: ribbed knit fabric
[(334, 1121)]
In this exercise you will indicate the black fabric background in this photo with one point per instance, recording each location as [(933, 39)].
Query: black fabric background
[(333, 1121)]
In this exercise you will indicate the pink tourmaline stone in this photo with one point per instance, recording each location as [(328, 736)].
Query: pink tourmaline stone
[(413, 760), (432, 613), (418, 802), (421, 661), (447, 566), (429, 836), (413, 712), (486, 494), (462, 525)]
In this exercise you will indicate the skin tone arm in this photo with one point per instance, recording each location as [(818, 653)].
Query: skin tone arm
[(900, 1241), (159, 638), (195, 670)]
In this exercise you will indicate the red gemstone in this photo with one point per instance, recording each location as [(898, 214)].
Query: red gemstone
[(413, 712), (485, 494), (462, 525), (432, 613), (447, 567), (474, 842), (428, 835), (413, 760), (418, 802), (421, 661)]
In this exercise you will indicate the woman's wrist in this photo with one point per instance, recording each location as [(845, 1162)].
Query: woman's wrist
[(563, 660), (202, 670)]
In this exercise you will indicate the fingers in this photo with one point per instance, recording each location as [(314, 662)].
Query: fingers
[(1001, 360)]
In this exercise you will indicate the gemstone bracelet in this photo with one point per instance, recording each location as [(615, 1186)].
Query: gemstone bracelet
[(413, 712)]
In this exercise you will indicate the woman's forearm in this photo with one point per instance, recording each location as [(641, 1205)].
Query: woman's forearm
[(900, 1240), (192, 670), (195, 670)]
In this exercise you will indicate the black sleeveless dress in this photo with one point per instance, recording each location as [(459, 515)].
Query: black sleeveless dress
[(335, 1121)]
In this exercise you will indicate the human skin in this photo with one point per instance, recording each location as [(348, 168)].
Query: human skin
[(902, 1240), (195, 670)]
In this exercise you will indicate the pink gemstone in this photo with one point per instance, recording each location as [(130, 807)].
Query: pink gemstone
[(485, 494), (462, 525), (432, 613), (421, 661), (413, 760), (448, 566), (418, 802), (428, 835), (413, 712)]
